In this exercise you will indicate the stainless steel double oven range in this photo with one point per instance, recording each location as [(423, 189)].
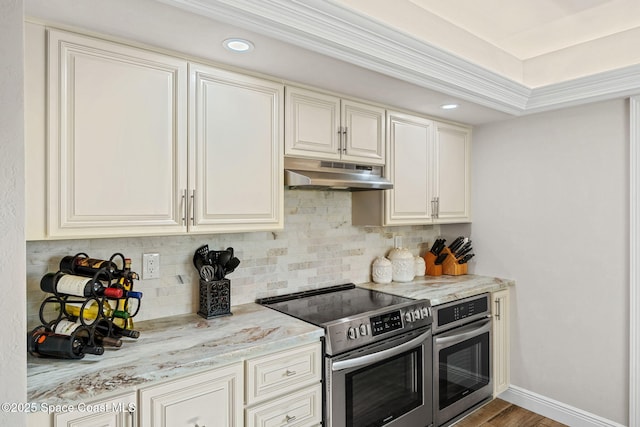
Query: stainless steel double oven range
[(383, 363), (378, 354)]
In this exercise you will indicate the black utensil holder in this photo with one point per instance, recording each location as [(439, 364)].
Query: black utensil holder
[(215, 298)]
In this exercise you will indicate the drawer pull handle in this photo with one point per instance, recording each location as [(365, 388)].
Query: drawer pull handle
[(290, 373), (289, 419)]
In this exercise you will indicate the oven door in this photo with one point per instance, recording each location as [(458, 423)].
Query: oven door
[(462, 370), (388, 384)]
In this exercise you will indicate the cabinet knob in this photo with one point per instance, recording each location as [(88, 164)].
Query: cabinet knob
[(290, 373), (290, 419)]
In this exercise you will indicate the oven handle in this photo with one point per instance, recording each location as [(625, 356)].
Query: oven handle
[(463, 333), (380, 355)]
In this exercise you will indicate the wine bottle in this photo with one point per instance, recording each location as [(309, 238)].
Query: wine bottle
[(91, 343), (69, 284), (84, 266), (43, 343), (108, 328)]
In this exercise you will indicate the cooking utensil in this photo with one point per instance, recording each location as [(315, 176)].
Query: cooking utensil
[(207, 272), (440, 258), (224, 257), (456, 244), (231, 265), (466, 258)]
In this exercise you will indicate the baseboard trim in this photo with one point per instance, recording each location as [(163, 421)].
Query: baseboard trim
[(553, 409)]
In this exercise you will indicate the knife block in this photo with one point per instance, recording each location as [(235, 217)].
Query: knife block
[(451, 267), (215, 298), (432, 268)]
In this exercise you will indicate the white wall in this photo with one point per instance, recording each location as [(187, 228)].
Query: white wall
[(12, 244), (550, 211)]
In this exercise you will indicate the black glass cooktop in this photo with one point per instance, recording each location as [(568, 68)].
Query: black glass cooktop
[(333, 303)]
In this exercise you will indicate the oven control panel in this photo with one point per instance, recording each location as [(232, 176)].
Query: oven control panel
[(460, 312), (386, 322), (360, 331)]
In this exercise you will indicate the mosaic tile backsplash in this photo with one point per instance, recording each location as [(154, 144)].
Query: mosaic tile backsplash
[(318, 247)]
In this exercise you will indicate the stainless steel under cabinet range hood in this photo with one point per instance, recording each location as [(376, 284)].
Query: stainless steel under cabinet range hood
[(326, 175)]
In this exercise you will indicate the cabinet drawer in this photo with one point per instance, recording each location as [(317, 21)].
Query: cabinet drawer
[(283, 372), (302, 408)]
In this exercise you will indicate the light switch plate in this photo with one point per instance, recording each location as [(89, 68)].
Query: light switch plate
[(150, 266)]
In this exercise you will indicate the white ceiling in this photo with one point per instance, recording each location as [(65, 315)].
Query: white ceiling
[(529, 28), (533, 42)]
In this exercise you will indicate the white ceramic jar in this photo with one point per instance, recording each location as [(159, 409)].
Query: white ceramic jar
[(381, 271), (420, 266), (403, 265)]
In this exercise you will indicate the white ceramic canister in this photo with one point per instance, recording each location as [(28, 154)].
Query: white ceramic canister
[(381, 271), (420, 266), (403, 264)]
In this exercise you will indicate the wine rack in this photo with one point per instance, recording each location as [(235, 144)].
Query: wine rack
[(86, 320)]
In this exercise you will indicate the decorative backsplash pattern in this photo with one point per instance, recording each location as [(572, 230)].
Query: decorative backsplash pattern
[(318, 247)]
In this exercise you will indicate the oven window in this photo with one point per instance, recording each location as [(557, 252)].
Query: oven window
[(463, 368), (384, 391)]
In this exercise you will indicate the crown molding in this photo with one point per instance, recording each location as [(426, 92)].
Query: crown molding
[(330, 29)]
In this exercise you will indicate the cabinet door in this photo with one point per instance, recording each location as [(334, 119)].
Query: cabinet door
[(114, 412), (501, 365), (117, 139), (364, 137), (212, 399), (235, 159), (452, 172), (312, 124), (409, 168)]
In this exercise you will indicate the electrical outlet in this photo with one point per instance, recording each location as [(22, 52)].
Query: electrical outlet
[(150, 266), (397, 241)]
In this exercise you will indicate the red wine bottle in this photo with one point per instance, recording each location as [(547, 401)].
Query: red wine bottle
[(84, 266), (69, 284), (43, 343)]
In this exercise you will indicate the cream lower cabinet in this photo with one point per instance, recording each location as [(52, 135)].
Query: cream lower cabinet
[(123, 141), (429, 165), (284, 389), (211, 399), (117, 411), (325, 127), (501, 364)]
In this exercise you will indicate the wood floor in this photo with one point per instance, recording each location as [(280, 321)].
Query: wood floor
[(499, 413)]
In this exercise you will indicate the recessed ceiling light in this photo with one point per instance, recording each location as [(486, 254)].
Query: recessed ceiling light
[(449, 106), (238, 45)]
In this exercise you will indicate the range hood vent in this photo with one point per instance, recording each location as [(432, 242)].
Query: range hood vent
[(326, 175)]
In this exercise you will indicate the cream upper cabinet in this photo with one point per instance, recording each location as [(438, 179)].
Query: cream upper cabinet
[(211, 399), (116, 138), (235, 151), (501, 364), (429, 165), (134, 142), (452, 173), (409, 168), (326, 127)]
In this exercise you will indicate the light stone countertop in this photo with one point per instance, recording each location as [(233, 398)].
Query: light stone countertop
[(167, 348), (181, 345), (442, 289)]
